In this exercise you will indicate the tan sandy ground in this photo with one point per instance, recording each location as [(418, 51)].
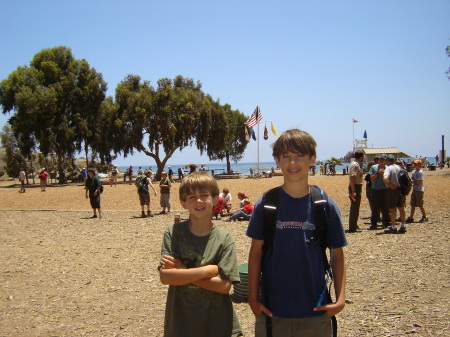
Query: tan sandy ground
[(64, 274)]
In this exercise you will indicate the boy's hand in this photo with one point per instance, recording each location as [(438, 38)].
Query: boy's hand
[(257, 307), (169, 262), (332, 308)]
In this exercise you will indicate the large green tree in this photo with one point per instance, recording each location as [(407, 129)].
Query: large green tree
[(227, 136), (158, 121), (55, 103)]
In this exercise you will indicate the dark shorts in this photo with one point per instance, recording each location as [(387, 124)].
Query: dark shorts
[(95, 201), (144, 198), (416, 199), (394, 198), (318, 326)]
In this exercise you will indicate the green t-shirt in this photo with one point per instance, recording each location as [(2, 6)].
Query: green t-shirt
[(191, 310), (92, 184), (165, 190)]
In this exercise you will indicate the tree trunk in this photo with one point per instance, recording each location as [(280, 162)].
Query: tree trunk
[(227, 155), (61, 174), (86, 151)]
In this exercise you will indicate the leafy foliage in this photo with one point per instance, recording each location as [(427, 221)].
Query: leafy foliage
[(55, 103), (174, 115)]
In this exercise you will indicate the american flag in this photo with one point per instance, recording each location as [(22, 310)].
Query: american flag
[(255, 118)]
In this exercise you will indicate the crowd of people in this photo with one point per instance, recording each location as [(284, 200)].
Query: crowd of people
[(384, 193)]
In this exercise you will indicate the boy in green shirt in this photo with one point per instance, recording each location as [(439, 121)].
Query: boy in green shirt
[(199, 264)]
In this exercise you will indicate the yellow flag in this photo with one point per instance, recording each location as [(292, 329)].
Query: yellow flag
[(274, 131)]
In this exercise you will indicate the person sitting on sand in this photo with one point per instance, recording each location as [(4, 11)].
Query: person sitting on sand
[(244, 213), (226, 196)]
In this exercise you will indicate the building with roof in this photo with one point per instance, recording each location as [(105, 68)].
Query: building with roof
[(370, 153)]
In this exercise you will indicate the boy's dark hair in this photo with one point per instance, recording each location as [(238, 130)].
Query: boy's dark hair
[(359, 154), (226, 190), (295, 141), (200, 181)]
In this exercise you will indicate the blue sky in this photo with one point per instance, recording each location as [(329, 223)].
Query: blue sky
[(313, 65)]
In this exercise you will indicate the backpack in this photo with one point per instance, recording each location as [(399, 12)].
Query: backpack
[(141, 180), (404, 182), (101, 187), (320, 208)]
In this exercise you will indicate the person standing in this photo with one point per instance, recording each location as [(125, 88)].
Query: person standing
[(199, 263), (293, 272), (130, 174), (114, 175), (22, 178), (355, 190), (417, 192), (144, 193), (180, 174), (379, 194), (84, 175), (43, 175), (170, 172), (93, 186), (165, 186), (395, 200)]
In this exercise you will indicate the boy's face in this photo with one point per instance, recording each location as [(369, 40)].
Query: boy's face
[(200, 204), (295, 165)]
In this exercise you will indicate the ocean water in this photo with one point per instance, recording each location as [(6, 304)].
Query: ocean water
[(243, 168)]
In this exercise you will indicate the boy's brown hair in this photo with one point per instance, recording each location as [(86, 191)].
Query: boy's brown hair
[(200, 181), (295, 141)]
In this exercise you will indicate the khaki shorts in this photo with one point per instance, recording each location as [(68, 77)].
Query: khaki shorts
[(164, 200), (416, 199), (318, 326)]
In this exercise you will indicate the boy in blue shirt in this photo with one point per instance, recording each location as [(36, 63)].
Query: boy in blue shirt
[(295, 271)]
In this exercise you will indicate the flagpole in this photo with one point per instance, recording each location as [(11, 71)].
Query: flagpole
[(258, 148), (353, 139)]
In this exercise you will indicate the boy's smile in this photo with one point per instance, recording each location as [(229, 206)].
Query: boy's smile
[(295, 164)]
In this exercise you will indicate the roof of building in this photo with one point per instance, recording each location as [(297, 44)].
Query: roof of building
[(385, 150)]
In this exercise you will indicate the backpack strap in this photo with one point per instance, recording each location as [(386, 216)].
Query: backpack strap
[(321, 207), (270, 203)]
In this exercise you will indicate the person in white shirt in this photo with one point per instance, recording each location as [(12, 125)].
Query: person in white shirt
[(226, 196), (394, 198)]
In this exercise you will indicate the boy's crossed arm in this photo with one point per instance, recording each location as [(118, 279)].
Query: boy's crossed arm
[(174, 272)]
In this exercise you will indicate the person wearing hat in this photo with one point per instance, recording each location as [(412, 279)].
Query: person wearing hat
[(379, 193), (84, 174), (417, 192), (22, 178), (395, 200), (144, 193), (93, 186), (355, 189), (114, 175), (170, 174), (43, 175)]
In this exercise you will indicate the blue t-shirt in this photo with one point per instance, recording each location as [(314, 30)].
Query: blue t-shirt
[(378, 183), (296, 268)]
